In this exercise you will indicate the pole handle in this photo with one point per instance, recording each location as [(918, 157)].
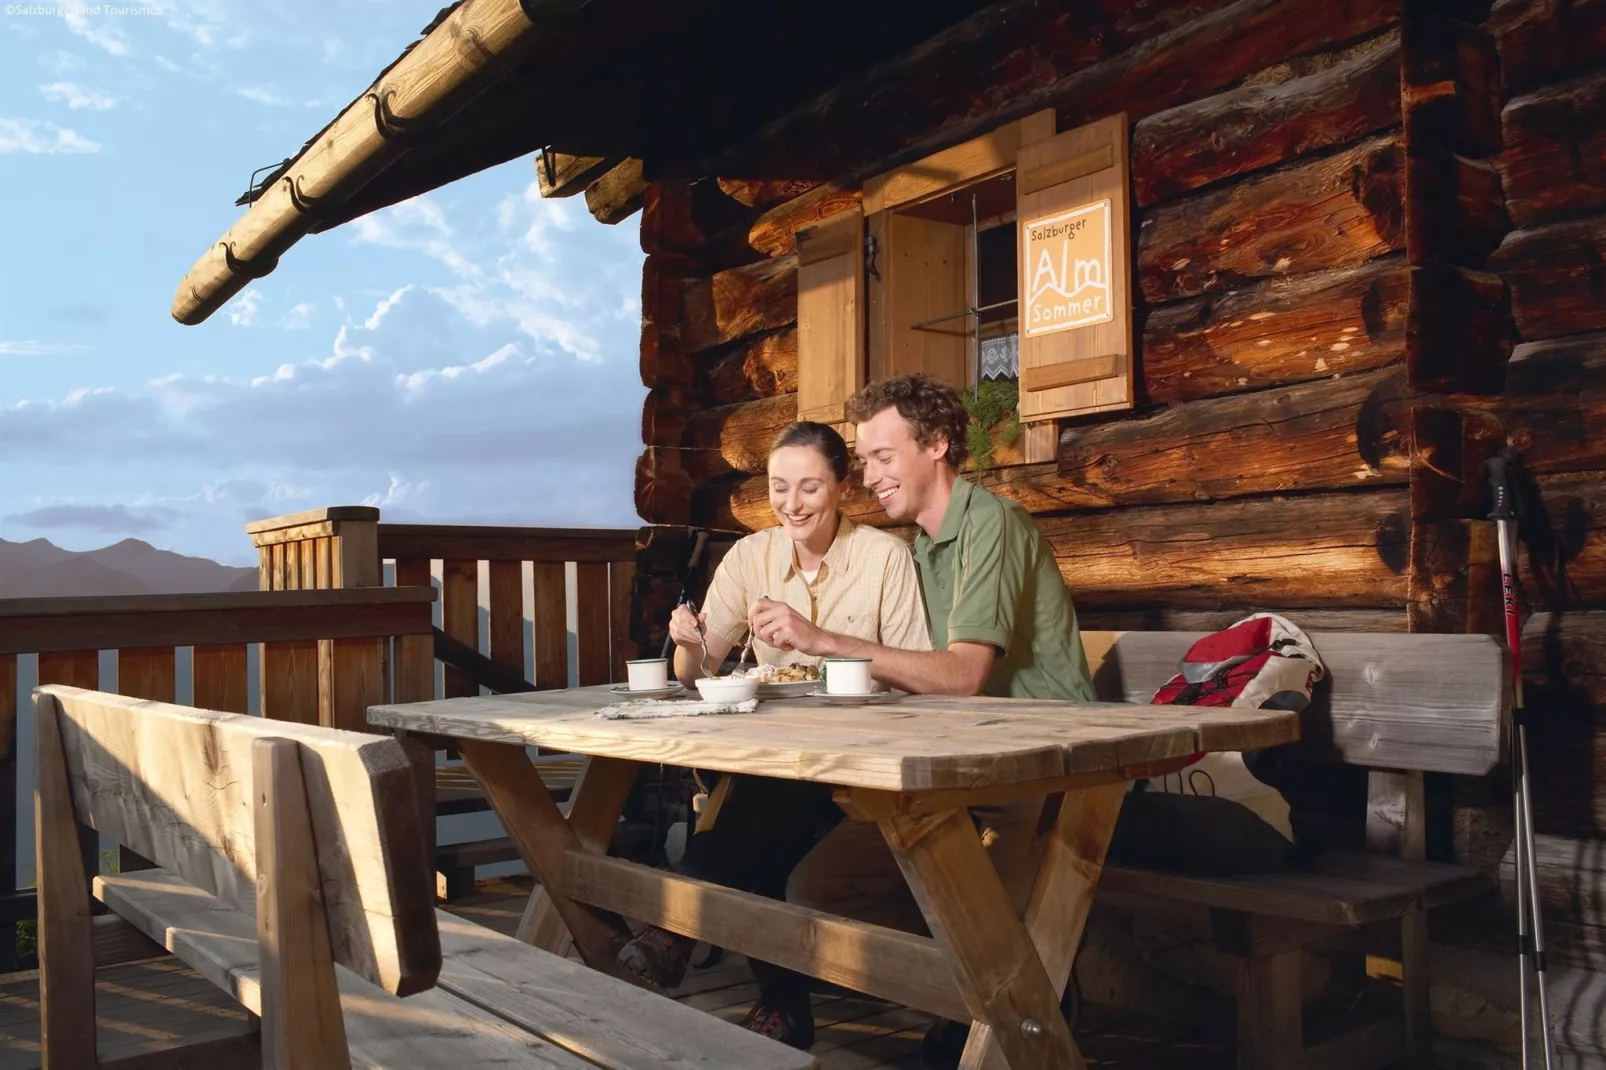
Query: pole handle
[(1499, 469)]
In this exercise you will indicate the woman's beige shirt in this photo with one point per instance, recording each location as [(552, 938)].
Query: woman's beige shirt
[(866, 587)]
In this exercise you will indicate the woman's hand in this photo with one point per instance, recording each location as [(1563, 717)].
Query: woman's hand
[(784, 628), (684, 627)]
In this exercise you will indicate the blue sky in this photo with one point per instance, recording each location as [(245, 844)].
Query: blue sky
[(466, 357)]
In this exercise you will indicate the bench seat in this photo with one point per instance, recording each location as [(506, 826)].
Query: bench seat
[(1345, 889), (498, 1002)]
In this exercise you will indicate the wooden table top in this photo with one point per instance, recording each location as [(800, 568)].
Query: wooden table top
[(921, 743)]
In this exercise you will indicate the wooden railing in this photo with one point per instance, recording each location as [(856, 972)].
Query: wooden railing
[(142, 637), (347, 546)]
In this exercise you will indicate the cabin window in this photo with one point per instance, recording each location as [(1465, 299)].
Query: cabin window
[(940, 288)]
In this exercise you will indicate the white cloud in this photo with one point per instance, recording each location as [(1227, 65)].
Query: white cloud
[(244, 309), (38, 349), (299, 318), (39, 138), (59, 62), (417, 224), (108, 38), (79, 96), (262, 96), (167, 65)]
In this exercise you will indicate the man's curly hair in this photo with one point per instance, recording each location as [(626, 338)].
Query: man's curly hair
[(932, 408)]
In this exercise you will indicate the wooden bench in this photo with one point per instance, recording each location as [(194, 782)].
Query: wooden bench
[(1400, 705), (294, 875)]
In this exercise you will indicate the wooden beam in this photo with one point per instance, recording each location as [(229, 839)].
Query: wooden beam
[(1450, 86), (617, 194), (476, 543), (880, 962), (66, 949), (558, 174), (1555, 403), (1321, 213), (761, 368), (1458, 330)]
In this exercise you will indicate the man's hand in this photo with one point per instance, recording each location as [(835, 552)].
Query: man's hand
[(784, 628)]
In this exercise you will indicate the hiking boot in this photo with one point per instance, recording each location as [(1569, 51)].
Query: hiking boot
[(791, 1025), (658, 957)]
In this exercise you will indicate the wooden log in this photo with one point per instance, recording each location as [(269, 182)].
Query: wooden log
[(1265, 123), (762, 368), (1557, 276), (1455, 577), (1341, 549), (775, 232), (1449, 445), (1554, 161), (1318, 214), (662, 488), (1566, 559), (678, 217), (739, 436), (1136, 59), (1539, 39), (1555, 403), (1456, 211), (739, 302), (558, 174), (1458, 333), (615, 196), (1279, 331), (1165, 618), (765, 193), (1450, 86), (1313, 436), (663, 416)]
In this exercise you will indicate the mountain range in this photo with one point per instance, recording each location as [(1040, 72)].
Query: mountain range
[(41, 569)]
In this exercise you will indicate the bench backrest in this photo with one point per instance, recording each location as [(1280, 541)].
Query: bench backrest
[(1437, 703), (175, 784)]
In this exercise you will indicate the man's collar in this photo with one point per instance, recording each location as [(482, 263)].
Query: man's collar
[(958, 502)]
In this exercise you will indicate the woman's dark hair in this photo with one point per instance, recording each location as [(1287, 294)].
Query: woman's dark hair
[(822, 438)]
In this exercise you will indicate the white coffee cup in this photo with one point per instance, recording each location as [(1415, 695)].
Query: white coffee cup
[(846, 676), (648, 674)]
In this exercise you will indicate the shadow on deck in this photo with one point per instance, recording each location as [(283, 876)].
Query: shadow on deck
[(145, 1007)]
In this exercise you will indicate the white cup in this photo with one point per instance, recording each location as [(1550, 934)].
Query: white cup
[(846, 676), (648, 674)]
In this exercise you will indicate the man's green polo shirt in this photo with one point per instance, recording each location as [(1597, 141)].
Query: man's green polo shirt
[(990, 577)]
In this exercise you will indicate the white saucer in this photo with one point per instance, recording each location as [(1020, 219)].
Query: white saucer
[(657, 692), (869, 699)]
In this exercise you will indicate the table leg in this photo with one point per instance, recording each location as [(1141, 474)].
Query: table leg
[(599, 798), (537, 828), (1073, 858), (997, 969)]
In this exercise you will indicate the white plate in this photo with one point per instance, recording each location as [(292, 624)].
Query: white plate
[(788, 689), (657, 692), (871, 699)]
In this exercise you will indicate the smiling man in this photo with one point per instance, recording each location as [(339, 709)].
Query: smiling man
[(1002, 624)]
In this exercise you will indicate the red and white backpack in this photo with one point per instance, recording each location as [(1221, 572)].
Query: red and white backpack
[(1261, 662)]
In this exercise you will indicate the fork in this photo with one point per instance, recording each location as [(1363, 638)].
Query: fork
[(707, 672)]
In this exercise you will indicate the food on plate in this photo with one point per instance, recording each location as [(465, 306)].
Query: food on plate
[(782, 674)]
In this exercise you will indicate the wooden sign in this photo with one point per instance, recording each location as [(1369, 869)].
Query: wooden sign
[(1067, 270), (1074, 234)]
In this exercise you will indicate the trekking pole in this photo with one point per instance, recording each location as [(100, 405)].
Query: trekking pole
[(1530, 946), (686, 585)]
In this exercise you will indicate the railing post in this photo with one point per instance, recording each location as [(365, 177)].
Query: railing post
[(334, 681)]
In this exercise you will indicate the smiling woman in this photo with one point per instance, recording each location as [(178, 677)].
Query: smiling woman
[(835, 574)]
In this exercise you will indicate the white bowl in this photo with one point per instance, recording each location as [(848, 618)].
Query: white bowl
[(727, 688)]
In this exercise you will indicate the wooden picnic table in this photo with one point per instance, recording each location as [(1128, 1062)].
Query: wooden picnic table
[(914, 766)]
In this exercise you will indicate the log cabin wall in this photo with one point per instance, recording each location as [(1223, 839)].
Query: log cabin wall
[(1368, 247)]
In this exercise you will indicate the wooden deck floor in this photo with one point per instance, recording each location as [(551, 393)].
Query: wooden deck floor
[(148, 1006)]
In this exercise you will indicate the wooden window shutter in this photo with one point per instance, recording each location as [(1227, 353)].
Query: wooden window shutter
[(830, 316), (922, 277), (1075, 290)]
